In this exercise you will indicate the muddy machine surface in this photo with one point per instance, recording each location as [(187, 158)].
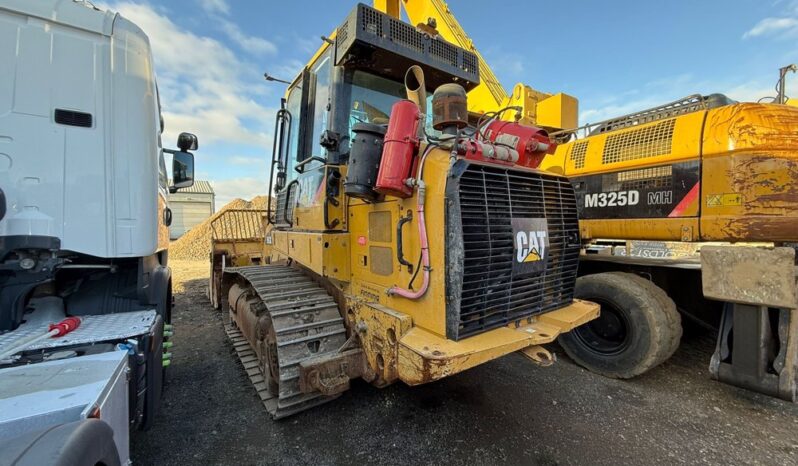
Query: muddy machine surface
[(406, 244), (693, 206)]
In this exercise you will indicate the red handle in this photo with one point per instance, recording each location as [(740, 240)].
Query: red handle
[(65, 326)]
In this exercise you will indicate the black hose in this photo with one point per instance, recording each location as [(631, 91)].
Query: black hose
[(415, 274)]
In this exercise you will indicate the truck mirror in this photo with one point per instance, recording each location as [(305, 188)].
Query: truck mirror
[(187, 142), (182, 170)]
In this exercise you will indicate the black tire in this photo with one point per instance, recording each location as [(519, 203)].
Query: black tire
[(638, 329)]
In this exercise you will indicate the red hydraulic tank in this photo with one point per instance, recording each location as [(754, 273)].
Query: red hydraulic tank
[(531, 143), (401, 144)]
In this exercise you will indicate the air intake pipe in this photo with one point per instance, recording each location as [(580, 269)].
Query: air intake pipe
[(417, 93)]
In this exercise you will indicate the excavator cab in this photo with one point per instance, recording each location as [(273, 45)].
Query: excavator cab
[(405, 244)]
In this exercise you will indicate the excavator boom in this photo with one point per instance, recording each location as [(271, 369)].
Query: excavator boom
[(554, 112), (489, 94)]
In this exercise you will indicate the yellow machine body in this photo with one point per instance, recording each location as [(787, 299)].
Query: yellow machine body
[(348, 292), (720, 174), (405, 339)]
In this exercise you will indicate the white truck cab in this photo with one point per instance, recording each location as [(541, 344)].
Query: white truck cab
[(84, 216)]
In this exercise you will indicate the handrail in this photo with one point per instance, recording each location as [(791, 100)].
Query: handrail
[(300, 167), (691, 103)]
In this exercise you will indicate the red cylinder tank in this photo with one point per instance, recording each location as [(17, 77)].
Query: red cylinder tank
[(400, 147), (531, 143)]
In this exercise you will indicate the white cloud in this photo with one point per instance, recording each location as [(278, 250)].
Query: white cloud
[(244, 188), (770, 26), (205, 88), (215, 6), (783, 26)]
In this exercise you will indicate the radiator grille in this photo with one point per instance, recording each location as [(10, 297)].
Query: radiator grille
[(490, 296), (650, 141)]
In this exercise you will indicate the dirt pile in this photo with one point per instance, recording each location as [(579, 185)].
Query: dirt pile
[(195, 244)]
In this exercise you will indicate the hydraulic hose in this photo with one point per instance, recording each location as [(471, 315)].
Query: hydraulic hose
[(422, 235)]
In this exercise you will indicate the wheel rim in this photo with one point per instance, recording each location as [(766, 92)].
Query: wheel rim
[(608, 334)]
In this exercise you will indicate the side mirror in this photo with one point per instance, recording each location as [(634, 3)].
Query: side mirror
[(187, 142), (182, 170)]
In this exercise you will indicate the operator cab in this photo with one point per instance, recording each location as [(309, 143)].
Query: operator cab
[(354, 80)]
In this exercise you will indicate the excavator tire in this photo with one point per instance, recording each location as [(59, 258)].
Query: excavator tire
[(638, 329), (280, 317)]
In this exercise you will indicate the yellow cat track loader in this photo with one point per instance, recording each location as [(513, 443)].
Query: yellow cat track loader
[(406, 245)]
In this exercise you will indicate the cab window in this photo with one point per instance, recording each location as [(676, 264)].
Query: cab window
[(294, 106), (372, 98), (322, 72)]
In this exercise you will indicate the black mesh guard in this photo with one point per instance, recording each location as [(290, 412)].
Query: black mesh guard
[(486, 286), (373, 41)]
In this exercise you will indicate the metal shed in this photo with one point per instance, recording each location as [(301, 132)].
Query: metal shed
[(190, 207)]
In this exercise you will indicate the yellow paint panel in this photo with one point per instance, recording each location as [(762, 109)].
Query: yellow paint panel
[(424, 357), (665, 229), (560, 111), (656, 143)]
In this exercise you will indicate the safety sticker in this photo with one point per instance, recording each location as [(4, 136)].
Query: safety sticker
[(724, 200)]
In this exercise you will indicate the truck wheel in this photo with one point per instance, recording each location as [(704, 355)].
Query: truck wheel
[(638, 329)]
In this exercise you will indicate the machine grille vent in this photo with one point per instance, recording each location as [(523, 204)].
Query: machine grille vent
[(286, 199), (343, 32), (470, 63), (649, 141), (371, 22), (491, 297), (578, 153), (406, 35), (443, 52), (646, 178), (73, 118)]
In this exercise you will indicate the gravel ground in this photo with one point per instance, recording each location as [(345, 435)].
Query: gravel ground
[(506, 411)]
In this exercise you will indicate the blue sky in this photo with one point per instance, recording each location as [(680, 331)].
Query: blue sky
[(614, 56)]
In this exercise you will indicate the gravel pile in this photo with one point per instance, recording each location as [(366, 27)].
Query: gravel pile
[(195, 244)]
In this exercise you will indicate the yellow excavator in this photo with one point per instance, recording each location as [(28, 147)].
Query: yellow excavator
[(408, 241), (654, 189), (699, 197)]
